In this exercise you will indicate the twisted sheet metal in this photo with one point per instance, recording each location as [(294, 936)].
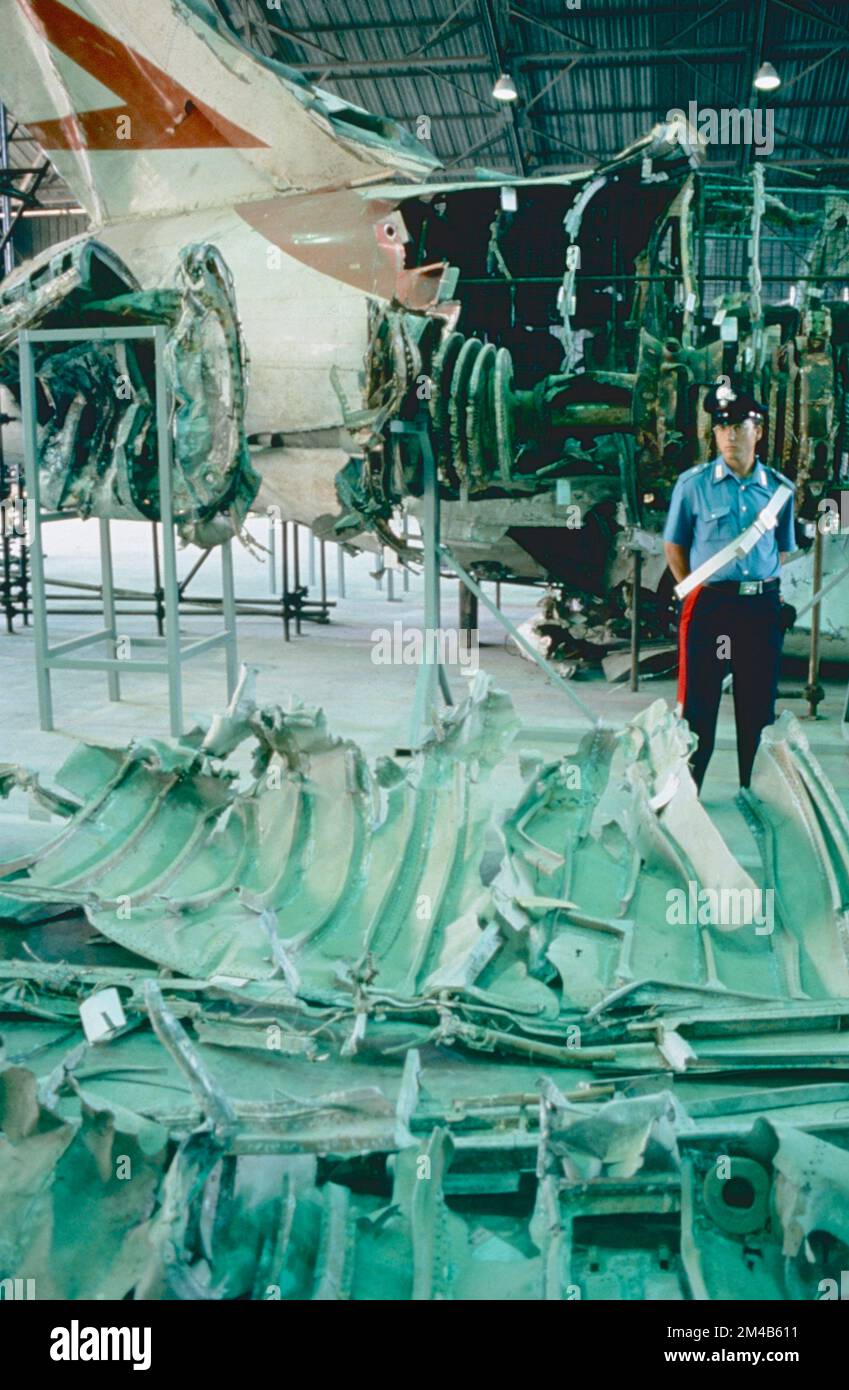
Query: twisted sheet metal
[(333, 883)]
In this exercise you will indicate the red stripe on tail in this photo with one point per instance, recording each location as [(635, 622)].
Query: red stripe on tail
[(162, 114)]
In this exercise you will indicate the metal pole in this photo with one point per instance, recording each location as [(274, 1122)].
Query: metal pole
[(169, 553), (340, 571), (467, 614), (6, 495), (635, 620), (820, 594), (198, 564), (518, 638), (157, 583), (700, 222), (22, 555), (405, 531), (311, 554), (429, 468), (5, 203), (272, 555), (23, 552), (323, 571), (284, 573), (33, 489), (228, 606), (296, 566), (431, 668), (813, 692), (108, 591)]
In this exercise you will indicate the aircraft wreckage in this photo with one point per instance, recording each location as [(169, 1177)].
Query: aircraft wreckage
[(97, 399), (341, 1049), (562, 476), (560, 332)]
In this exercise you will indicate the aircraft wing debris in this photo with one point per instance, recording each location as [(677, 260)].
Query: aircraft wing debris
[(334, 1039)]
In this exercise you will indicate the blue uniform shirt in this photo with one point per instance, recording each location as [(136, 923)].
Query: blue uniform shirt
[(711, 506)]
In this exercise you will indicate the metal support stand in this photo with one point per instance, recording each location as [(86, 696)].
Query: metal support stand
[(814, 692), (158, 591), (294, 601), (431, 672), (405, 532), (272, 555), (13, 584), (48, 658), (7, 224), (296, 561), (635, 619), (284, 570), (467, 613)]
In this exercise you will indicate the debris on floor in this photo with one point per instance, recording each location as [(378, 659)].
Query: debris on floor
[(282, 1041)]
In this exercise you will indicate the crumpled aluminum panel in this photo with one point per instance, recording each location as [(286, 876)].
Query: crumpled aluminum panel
[(324, 865), (587, 883), (322, 1005), (344, 880)]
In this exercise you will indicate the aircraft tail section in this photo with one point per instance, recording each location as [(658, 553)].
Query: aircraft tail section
[(154, 107)]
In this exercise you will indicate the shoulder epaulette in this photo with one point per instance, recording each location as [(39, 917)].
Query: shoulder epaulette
[(692, 472), (782, 477)]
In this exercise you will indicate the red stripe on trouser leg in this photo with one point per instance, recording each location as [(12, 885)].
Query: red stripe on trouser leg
[(683, 627)]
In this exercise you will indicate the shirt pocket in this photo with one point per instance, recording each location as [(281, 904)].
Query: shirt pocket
[(719, 524)]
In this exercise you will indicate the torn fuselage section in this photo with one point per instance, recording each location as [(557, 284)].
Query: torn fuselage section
[(96, 400), (563, 372), (524, 365)]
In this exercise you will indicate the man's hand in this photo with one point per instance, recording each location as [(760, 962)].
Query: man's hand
[(678, 560)]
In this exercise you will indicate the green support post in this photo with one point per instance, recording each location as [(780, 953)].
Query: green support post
[(431, 670)]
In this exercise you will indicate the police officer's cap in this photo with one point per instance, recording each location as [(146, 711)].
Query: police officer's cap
[(728, 406)]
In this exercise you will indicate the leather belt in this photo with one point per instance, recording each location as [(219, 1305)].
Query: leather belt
[(745, 588)]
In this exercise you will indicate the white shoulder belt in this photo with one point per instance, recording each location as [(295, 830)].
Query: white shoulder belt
[(764, 521)]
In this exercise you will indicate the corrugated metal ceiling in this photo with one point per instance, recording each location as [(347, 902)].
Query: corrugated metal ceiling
[(590, 78)]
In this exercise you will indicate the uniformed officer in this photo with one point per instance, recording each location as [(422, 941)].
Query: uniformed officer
[(735, 617)]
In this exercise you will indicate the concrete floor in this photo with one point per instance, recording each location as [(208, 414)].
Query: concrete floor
[(330, 666)]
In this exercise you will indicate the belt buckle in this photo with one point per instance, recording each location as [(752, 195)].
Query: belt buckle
[(751, 586)]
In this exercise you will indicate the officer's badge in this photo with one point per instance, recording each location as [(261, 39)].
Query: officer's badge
[(724, 394)]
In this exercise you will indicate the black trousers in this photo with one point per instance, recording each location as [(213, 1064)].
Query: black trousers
[(720, 632)]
